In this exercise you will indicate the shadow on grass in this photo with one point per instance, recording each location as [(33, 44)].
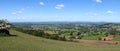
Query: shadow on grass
[(5, 35)]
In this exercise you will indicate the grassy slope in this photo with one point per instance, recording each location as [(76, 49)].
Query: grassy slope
[(25, 42)]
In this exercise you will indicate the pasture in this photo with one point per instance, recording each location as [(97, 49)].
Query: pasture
[(26, 42)]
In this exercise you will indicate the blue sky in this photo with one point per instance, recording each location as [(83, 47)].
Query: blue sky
[(60, 10)]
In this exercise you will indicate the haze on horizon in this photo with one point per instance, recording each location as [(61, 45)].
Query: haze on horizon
[(60, 10)]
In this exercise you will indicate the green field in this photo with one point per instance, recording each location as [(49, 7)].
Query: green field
[(117, 38), (25, 42), (92, 37)]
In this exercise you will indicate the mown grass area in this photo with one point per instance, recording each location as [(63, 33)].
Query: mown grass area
[(26, 42)]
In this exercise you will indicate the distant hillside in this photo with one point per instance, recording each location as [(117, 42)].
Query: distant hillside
[(25, 42), (63, 22)]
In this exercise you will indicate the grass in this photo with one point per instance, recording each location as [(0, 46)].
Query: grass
[(92, 37), (117, 38), (51, 32), (25, 42)]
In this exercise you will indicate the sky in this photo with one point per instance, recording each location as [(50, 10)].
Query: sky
[(60, 10)]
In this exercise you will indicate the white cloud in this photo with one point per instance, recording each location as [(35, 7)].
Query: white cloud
[(41, 3), (59, 6), (98, 1), (18, 11), (109, 12)]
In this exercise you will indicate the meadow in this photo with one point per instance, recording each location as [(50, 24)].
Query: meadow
[(26, 42)]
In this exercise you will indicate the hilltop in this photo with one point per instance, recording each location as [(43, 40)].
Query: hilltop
[(26, 42)]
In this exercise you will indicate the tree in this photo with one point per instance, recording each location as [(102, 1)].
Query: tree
[(4, 26), (78, 33), (113, 31), (71, 33)]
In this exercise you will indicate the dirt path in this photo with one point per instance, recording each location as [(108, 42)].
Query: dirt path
[(96, 41)]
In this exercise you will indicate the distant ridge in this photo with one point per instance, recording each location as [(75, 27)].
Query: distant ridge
[(65, 22)]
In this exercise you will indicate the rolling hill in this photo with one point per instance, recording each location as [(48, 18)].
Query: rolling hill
[(26, 42)]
